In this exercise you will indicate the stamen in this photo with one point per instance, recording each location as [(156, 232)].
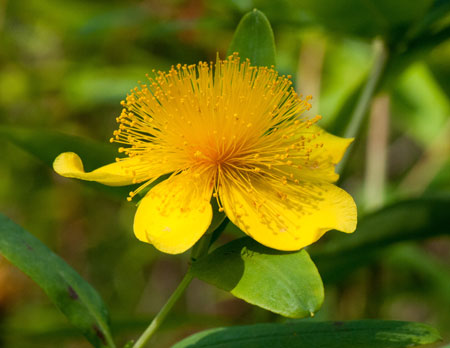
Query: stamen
[(241, 123)]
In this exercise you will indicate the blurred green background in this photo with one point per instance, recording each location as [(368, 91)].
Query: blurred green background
[(66, 65)]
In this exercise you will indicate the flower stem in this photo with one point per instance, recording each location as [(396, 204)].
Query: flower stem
[(365, 98), (159, 318), (200, 249)]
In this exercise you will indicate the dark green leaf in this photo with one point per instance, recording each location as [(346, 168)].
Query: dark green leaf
[(408, 220), (66, 288), (48, 144), (367, 18), (338, 334), (254, 39), (286, 283)]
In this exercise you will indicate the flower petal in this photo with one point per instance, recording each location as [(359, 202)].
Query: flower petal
[(334, 147), (69, 164), (293, 221), (175, 213), (326, 151)]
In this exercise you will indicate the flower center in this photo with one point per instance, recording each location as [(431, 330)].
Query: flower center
[(229, 121)]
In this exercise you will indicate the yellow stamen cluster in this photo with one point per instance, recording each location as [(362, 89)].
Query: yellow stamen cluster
[(228, 121)]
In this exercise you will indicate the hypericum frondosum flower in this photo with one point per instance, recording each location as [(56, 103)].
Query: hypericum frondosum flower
[(231, 132)]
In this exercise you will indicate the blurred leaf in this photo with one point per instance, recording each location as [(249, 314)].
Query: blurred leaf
[(413, 51), (345, 68), (367, 18), (69, 292), (414, 84), (129, 344), (408, 220), (254, 39), (115, 18), (286, 283), (343, 117), (438, 62), (93, 85), (425, 265), (348, 334), (47, 144), (416, 94), (441, 182), (432, 19)]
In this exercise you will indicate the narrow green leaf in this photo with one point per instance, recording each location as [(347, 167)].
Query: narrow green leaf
[(408, 220), (66, 288), (286, 283), (338, 334), (253, 39), (46, 145)]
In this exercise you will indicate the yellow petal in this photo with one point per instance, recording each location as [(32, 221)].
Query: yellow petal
[(69, 164), (293, 222), (327, 151), (175, 213), (334, 147)]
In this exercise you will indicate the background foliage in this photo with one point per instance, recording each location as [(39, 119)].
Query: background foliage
[(65, 65)]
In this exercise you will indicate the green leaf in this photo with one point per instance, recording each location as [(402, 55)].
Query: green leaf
[(338, 334), (66, 288), (254, 39), (408, 220), (286, 283), (48, 144)]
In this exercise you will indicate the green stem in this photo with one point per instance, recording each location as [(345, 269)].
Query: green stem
[(200, 249), (159, 318), (365, 98)]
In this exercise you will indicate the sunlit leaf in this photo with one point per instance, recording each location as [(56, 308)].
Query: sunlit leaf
[(286, 283), (302, 334), (254, 39), (66, 288)]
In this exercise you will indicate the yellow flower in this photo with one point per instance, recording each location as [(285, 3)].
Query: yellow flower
[(230, 131)]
